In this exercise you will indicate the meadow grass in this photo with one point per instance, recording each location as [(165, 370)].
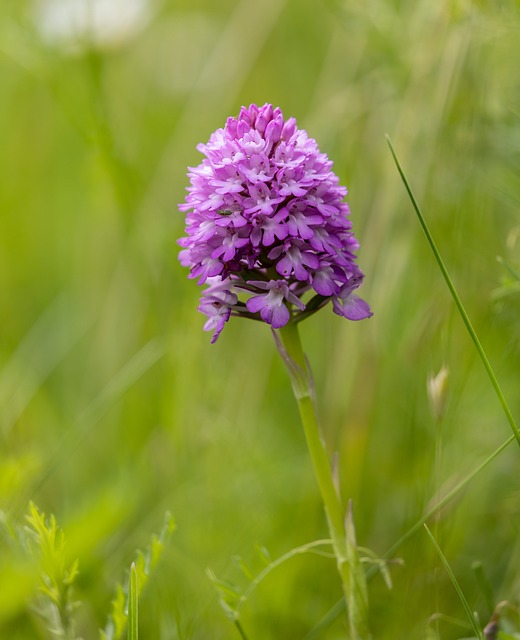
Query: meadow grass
[(114, 407)]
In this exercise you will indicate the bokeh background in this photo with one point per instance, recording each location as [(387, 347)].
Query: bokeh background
[(114, 407)]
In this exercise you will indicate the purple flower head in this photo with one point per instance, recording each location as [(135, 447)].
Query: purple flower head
[(267, 226)]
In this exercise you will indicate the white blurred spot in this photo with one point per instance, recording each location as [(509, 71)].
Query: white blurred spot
[(100, 23), (437, 386)]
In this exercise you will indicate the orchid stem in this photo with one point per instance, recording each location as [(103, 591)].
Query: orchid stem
[(343, 541)]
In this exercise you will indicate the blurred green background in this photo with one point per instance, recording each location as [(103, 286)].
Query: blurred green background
[(114, 407)]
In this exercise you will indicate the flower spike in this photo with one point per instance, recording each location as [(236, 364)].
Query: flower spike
[(267, 221)]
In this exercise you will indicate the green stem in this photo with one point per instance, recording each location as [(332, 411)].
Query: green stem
[(471, 616), (343, 542), (303, 392), (240, 630)]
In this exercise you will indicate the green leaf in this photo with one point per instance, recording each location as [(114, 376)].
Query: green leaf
[(225, 587), (357, 599), (239, 562), (119, 617), (263, 554), (370, 557), (142, 566), (45, 542), (133, 632)]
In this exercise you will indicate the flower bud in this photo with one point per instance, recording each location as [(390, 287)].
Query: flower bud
[(437, 386)]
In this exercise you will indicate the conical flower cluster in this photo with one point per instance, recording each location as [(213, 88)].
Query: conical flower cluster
[(267, 225)]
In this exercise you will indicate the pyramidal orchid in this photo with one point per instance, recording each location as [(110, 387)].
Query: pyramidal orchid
[(267, 227), (268, 235)]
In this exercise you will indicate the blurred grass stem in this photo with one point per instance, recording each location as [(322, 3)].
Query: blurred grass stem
[(471, 616), (240, 630), (342, 532)]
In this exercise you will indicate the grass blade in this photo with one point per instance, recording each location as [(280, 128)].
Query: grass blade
[(54, 334), (310, 547), (128, 375), (133, 605), (456, 298), (240, 630), (467, 608), (446, 498), (327, 620)]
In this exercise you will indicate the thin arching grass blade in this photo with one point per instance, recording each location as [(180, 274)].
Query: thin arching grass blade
[(447, 498), (449, 571), (456, 298)]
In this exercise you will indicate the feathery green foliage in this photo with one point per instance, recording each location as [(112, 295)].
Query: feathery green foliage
[(125, 602), (46, 541), (41, 543)]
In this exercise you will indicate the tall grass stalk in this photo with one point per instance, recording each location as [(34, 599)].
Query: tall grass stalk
[(456, 298), (476, 627), (335, 611)]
